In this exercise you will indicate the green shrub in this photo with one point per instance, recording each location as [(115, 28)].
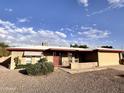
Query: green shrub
[(40, 68), (34, 69), (50, 67), (47, 67), (21, 66)]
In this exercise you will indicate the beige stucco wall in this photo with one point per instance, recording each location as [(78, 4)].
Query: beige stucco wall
[(83, 65), (65, 61), (108, 58), (13, 55), (33, 60), (21, 58), (49, 58)]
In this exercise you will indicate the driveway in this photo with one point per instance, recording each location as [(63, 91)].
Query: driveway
[(104, 81)]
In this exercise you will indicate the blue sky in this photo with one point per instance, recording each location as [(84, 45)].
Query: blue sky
[(62, 22)]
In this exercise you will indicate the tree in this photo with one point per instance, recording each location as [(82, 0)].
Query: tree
[(78, 46), (106, 47), (83, 46), (74, 45), (3, 51)]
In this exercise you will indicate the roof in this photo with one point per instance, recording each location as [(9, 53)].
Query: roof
[(43, 48), (109, 50), (33, 48)]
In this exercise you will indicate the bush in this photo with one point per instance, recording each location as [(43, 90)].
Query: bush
[(21, 66), (50, 67), (34, 69), (41, 68)]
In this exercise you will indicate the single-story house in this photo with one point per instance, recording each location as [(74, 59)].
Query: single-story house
[(75, 58)]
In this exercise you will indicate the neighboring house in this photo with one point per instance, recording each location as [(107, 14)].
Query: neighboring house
[(76, 58)]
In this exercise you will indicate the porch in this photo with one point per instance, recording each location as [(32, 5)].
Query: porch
[(83, 65), (73, 59)]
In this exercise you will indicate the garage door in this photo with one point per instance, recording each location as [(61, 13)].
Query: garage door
[(108, 58)]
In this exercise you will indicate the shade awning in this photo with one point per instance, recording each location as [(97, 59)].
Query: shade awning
[(29, 53)]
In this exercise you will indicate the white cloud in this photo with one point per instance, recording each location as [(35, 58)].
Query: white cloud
[(23, 20), (100, 11), (84, 2), (25, 36), (8, 9), (112, 4), (61, 34), (116, 3), (93, 33), (20, 36)]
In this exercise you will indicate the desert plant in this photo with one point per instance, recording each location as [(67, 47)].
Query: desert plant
[(50, 67), (47, 67), (41, 68), (21, 66), (34, 69)]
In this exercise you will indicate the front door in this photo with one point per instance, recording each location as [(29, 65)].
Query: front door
[(56, 59)]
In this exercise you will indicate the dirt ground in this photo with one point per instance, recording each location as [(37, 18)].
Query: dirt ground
[(104, 81)]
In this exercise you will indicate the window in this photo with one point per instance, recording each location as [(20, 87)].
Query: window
[(36, 54), (57, 53)]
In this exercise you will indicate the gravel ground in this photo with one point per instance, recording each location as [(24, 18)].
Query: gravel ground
[(105, 81)]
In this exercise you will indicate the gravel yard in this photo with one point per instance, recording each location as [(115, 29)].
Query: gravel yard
[(105, 81)]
